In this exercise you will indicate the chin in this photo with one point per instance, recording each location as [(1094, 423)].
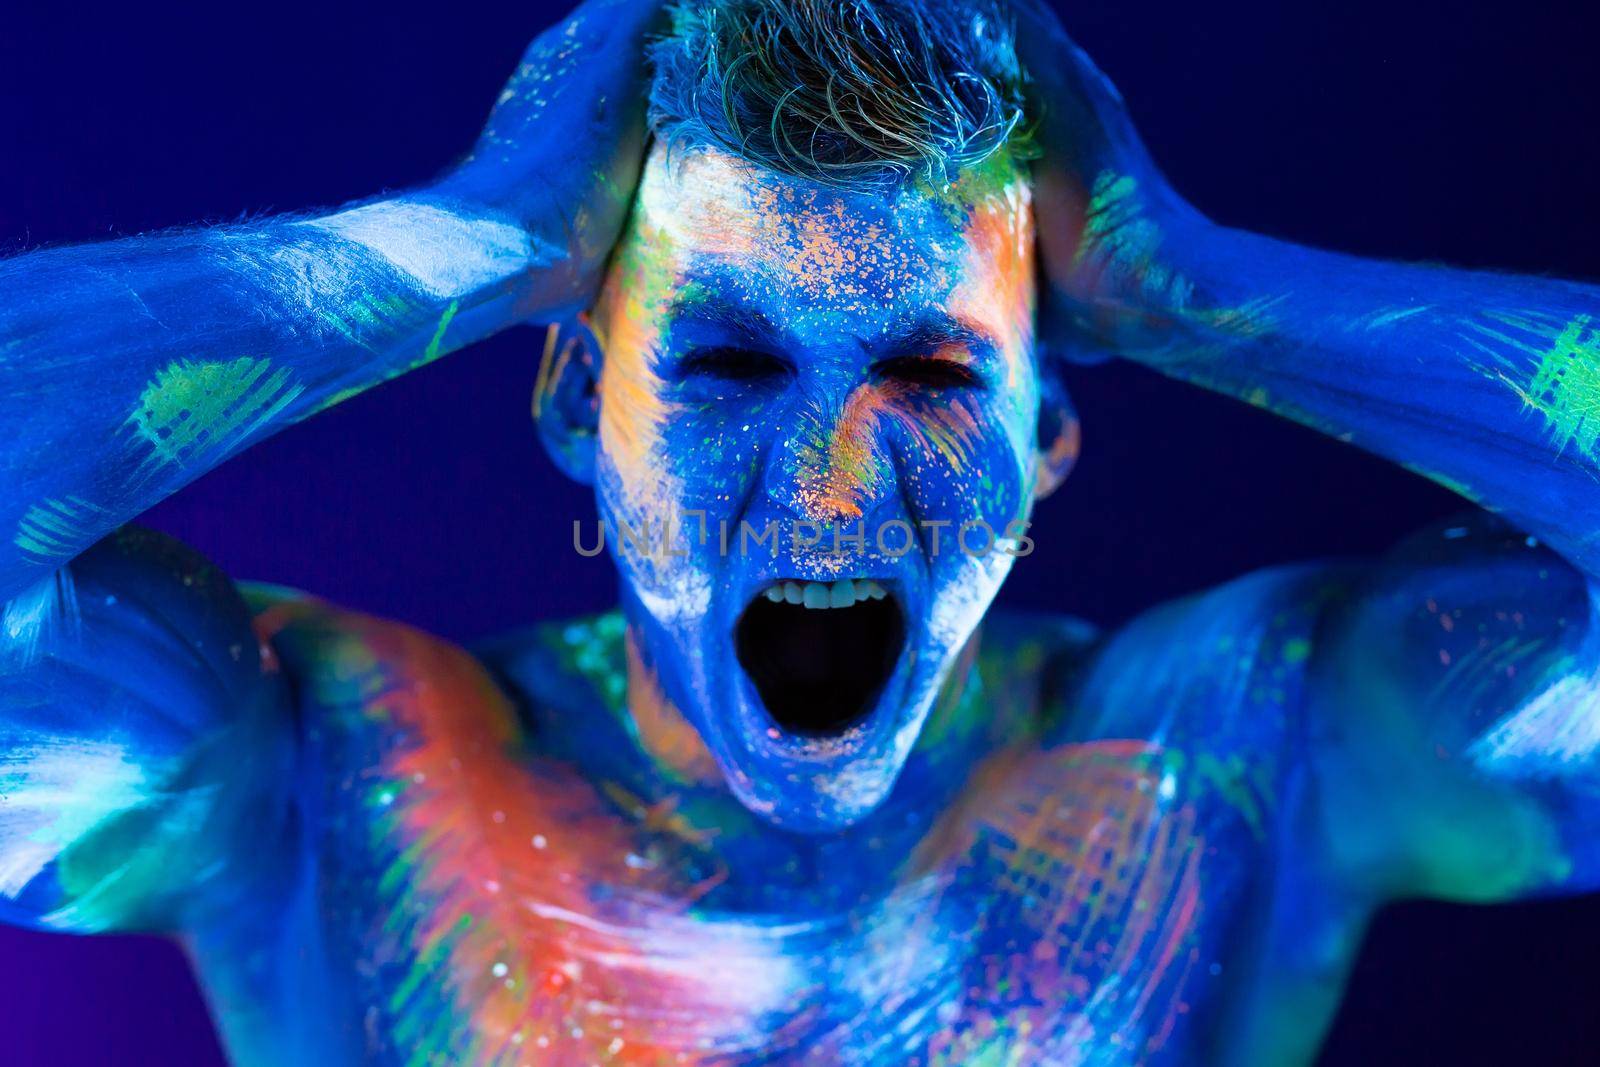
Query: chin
[(826, 687), (809, 676)]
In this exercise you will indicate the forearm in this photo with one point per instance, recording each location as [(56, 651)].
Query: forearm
[(1486, 383), (134, 366)]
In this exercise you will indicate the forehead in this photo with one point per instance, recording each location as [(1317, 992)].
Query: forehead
[(806, 250)]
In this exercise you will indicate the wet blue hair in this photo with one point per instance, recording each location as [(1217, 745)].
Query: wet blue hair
[(855, 93)]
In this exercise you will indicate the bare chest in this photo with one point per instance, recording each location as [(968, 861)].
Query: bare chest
[(479, 904), (1064, 913)]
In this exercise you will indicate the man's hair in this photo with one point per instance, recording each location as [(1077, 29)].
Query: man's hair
[(854, 93)]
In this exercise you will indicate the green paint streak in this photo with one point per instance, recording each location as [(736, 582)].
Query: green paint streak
[(367, 317), (340, 397), (432, 351), (1122, 243), (57, 529), (1531, 320), (1230, 777), (1120, 240), (194, 410), (1566, 388)]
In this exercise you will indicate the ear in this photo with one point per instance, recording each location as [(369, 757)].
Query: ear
[(566, 398), (1058, 433)]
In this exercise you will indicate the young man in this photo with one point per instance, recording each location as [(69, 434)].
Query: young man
[(785, 804)]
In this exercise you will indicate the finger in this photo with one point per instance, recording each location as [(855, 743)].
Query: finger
[(589, 68)]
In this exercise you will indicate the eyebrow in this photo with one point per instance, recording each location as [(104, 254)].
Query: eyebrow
[(933, 330), (749, 324), (920, 335)]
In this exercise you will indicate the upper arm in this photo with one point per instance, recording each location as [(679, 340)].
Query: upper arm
[(144, 741), (1456, 720)]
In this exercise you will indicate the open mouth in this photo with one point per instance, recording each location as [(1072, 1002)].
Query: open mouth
[(819, 653)]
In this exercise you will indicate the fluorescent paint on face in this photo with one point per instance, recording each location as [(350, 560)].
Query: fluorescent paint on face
[(633, 410), (194, 411), (998, 276), (809, 239), (833, 287), (845, 455), (446, 253)]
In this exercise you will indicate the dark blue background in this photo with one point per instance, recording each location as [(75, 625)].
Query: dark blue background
[(1462, 132)]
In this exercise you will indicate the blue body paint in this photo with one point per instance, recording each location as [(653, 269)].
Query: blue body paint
[(802, 798)]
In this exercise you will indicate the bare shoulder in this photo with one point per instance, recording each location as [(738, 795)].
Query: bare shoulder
[(1027, 660), (351, 669), (1455, 739), (1223, 672)]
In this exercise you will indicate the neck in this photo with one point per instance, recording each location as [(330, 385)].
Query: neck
[(649, 759), (961, 729)]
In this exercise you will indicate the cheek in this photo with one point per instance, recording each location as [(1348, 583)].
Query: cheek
[(680, 470), (964, 459), (714, 452)]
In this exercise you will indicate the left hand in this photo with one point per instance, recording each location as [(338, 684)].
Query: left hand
[(1091, 155)]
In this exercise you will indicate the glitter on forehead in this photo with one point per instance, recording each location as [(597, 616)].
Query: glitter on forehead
[(836, 251)]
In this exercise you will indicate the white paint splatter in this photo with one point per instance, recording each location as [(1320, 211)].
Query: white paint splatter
[(449, 254), (1557, 727), (53, 790), (684, 600)]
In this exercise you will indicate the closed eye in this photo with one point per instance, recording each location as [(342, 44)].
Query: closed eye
[(927, 372), (734, 364)]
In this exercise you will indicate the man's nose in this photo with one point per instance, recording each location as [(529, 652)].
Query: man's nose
[(833, 463)]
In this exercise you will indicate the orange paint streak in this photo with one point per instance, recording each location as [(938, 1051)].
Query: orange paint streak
[(533, 897), (847, 473), (997, 285), (625, 322), (809, 239), (662, 730)]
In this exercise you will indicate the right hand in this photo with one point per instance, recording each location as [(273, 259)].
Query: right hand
[(562, 150)]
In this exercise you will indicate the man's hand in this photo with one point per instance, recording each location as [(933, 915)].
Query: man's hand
[(1486, 383), (1099, 197), (562, 150)]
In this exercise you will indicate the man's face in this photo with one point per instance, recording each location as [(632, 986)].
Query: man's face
[(786, 367)]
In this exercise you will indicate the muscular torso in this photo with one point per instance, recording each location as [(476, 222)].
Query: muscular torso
[(489, 877)]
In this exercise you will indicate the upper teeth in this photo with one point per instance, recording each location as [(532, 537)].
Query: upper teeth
[(840, 594)]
